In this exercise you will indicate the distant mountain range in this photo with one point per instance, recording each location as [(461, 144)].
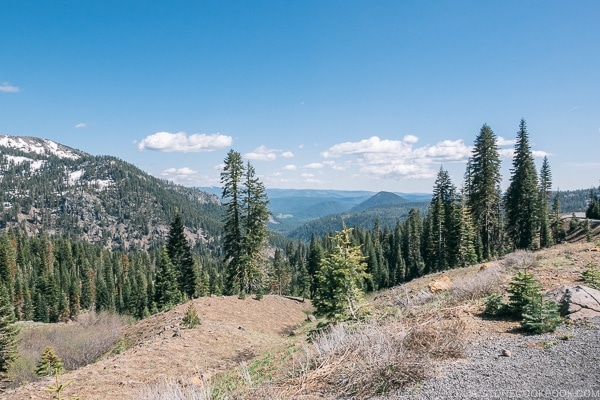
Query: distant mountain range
[(300, 210), (299, 213)]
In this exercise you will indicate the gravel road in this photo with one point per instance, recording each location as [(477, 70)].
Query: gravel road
[(564, 364)]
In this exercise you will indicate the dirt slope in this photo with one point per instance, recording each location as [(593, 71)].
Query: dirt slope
[(232, 330)]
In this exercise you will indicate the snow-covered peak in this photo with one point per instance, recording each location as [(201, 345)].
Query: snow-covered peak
[(37, 146)]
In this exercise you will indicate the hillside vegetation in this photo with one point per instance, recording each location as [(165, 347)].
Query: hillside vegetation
[(49, 188), (243, 348)]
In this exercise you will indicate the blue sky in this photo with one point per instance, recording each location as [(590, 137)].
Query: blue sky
[(370, 95)]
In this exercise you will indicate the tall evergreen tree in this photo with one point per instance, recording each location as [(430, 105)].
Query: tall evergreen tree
[(254, 226), (441, 235), (463, 253), (593, 210), (556, 224), (180, 254), (8, 334), (482, 188), (413, 230), (521, 203), (315, 255), (166, 290), (231, 179), (245, 225), (545, 187), (396, 258)]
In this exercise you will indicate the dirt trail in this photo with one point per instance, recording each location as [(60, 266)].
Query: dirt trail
[(232, 331)]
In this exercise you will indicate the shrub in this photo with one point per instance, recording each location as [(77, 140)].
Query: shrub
[(520, 259), (50, 363), (591, 276), (540, 316), (360, 360), (78, 344), (524, 288), (190, 318), (495, 306)]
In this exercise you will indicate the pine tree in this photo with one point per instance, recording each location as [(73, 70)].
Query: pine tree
[(522, 199), (245, 226), (464, 248), (339, 280), (556, 224), (8, 334), (49, 364), (167, 293), (482, 189), (315, 255), (546, 237), (180, 254), (231, 178), (255, 231), (593, 210), (524, 289), (442, 236), (412, 245), (280, 273), (396, 258), (190, 318)]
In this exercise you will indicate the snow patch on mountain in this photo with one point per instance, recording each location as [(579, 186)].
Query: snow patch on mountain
[(37, 146), (34, 165), (75, 176)]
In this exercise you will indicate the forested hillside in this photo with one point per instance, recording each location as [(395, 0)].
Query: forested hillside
[(50, 188)]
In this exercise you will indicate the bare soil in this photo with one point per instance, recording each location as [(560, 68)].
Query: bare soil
[(159, 348)]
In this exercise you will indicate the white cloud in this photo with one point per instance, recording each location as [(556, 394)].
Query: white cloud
[(290, 167), (81, 125), (185, 171), (509, 154), (410, 139), (379, 158), (6, 87), (540, 153), (180, 142), (313, 166), (262, 153), (182, 176), (500, 141), (307, 175), (506, 153)]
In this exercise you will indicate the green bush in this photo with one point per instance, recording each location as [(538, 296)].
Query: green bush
[(527, 304), (591, 276), (540, 316), (50, 363), (190, 318), (495, 306), (524, 289)]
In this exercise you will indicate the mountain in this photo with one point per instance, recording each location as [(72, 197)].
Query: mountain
[(386, 207), (46, 187), (381, 199), (294, 209)]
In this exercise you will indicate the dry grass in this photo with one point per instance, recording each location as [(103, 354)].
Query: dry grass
[(360, 360), (172, 390), (77, 344), (520, 259), (477, 286)]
